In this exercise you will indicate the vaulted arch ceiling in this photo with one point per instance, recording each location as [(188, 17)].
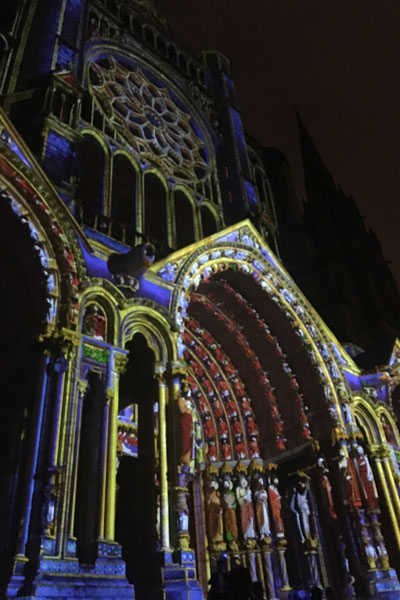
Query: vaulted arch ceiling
[(256, 389)]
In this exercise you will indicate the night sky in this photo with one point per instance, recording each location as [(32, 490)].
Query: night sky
[(338, 62)]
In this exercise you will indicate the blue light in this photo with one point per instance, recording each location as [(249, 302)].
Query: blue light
[(153, 291)]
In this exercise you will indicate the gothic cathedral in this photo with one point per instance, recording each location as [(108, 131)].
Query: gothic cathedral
[(193, 368)]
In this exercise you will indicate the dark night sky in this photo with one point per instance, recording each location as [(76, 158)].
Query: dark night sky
[(338, 61)]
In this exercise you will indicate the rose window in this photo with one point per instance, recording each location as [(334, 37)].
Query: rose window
[(148, 119)]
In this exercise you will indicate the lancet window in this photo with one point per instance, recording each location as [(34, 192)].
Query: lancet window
[(184, 222)]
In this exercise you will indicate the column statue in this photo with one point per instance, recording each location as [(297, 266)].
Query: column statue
[(185, 408), (243, 495), (231, 529), (301, 510), (326, 488), (214, 510), (349, 480), (261, 504), (367, 483), (275, 504)]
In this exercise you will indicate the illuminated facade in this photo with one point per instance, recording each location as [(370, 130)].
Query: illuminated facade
[(169, 392)]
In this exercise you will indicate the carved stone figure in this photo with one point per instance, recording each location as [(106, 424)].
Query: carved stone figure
[(261, 504), (94, 322), (301, 509), (215, 523), (243, 495), (275, 504), (366, 478), (326, 488), (230, 504), (349, 479), (186, 428)]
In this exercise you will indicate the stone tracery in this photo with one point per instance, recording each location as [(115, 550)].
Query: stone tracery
[(149, 119)]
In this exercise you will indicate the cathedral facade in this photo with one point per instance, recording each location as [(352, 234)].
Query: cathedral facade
[(171, 396)]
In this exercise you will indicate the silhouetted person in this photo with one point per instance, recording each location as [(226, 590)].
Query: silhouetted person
[(258, 591), (219, 583), (299, 593), (316, 593), (239, 581)]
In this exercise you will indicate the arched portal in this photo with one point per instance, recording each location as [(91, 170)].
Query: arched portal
[(25, 306), (267, 389)]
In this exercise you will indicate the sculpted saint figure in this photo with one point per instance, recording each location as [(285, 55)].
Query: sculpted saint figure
[(261, 500), (230, 510), (275, 504), (243, 495), (186, 428), (349, 479), (301, 509), (94, 322), (326, 488), (215, 523), (367, 483)]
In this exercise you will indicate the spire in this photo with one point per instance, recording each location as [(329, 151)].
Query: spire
[(318, 182)]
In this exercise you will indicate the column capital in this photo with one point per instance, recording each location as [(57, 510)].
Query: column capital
[(61, 342), (120, 362), (110, 395), (159, 374), (379, 451), (82, 385), (178, 369)]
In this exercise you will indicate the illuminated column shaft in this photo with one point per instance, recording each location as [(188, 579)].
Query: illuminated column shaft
[(314, 571), (388, 500), (65, 445), (80, 390), (392, 485), (59, 367), (252, 566), (104, 453), (111, 459), (283, 568), (33, 456), (164, 504), (269, 574)]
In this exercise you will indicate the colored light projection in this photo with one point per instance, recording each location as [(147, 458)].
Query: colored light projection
[(148, 119), (128, 431)]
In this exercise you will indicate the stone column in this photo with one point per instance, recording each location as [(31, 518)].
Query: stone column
[(164, 501), (120, 361), (311, 549), (380, 456), (72, 472), (281, 549), (33, 455), (51, 473), (268, 570)]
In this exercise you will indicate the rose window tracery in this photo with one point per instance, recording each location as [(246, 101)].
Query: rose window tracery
[(148, 119)]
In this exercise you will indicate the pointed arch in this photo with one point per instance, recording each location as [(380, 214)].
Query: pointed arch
[(124, 192), (156, 211), (94, 167), (109, 304), (367, 419), (185, 226), (209, 219), (307, 356), (155, 327)]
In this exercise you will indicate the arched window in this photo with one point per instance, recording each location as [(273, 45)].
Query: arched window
[(208, 221), (92, 179), (123, 199), (155, 210), (184, 225)]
